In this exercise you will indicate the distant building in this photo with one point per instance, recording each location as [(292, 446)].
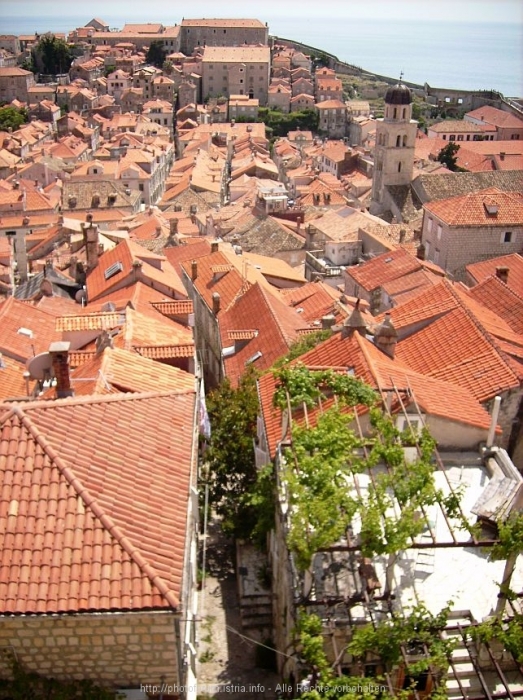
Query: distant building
[(236, 71), (15, 83), (221, 32)]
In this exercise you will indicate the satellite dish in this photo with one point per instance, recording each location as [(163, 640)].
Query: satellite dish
[(40, 367), (81, 297)]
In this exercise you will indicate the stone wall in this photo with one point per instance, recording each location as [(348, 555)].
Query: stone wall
[(460, 246), (112, 649)]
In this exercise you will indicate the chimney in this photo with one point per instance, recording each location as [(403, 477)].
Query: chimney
[(298, 224), (72, 267), (194, 270), (90, 232), (420, 252), (60, 358), (502, 273), (216, 303), (403, 233), (354, 323), (173, 227), (327, 322), (215, 246), (386, 337)]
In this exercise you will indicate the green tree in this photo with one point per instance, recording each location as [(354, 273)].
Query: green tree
[(230, 467), (51, 56), (156, 54), (12, 118), (448, 157)]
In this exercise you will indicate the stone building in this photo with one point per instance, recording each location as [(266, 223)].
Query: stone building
[(221, 32), (98, 574), (239, 70), (14, 84), (458, 231)]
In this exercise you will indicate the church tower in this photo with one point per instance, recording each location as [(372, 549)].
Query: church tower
[(394, 149)]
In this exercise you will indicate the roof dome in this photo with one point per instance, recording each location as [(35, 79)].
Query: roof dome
[(399, 94)]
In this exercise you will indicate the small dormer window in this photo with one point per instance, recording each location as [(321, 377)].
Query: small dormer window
[(491, 207)]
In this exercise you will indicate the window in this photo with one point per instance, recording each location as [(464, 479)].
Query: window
[(452, 137), (439, 232), (429, 225), (398, 141), (404, 141), (395, 112), (460, 137), (399, 167), (507, 237), (514, 137), (140, 187), (404, 113), (436, 256)]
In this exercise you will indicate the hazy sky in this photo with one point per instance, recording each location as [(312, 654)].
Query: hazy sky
[(171, 10)]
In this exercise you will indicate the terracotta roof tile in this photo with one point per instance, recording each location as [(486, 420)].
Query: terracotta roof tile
[(454, 349), (12, 382), (384, 268), (103, 524), (501, 299), (89, 322), (25, 330), (490, 207), (481, 270), (117, 370), (274, 327)]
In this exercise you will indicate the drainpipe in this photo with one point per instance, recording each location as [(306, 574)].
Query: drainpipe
[(493, 421)]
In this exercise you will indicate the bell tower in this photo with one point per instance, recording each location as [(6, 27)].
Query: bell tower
[(394, 149)]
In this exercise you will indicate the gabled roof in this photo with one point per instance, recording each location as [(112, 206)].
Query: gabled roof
[(102, 523), (497, 117), (384, 268), (120, 371), (25, 330), (155, 337), (275, 328), (481, 270), (441, 337), (315, 299), (360, 357), (493, 294), (489, 207), (215, 274), (124, 259)]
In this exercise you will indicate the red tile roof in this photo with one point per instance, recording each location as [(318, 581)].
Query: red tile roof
[(117, 370), (384, 268), (12, 382), (93, 503), (16, 316), (227, 284), (276, 324), (131, 256), (454, 349), (493, 294), (496, 117), (490, 207), (316, 299), (360, 356), (481, 270)]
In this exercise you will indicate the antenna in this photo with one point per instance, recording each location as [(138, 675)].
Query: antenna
[(401, 75)]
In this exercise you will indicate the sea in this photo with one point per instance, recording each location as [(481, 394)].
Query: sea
[(445, 54)]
